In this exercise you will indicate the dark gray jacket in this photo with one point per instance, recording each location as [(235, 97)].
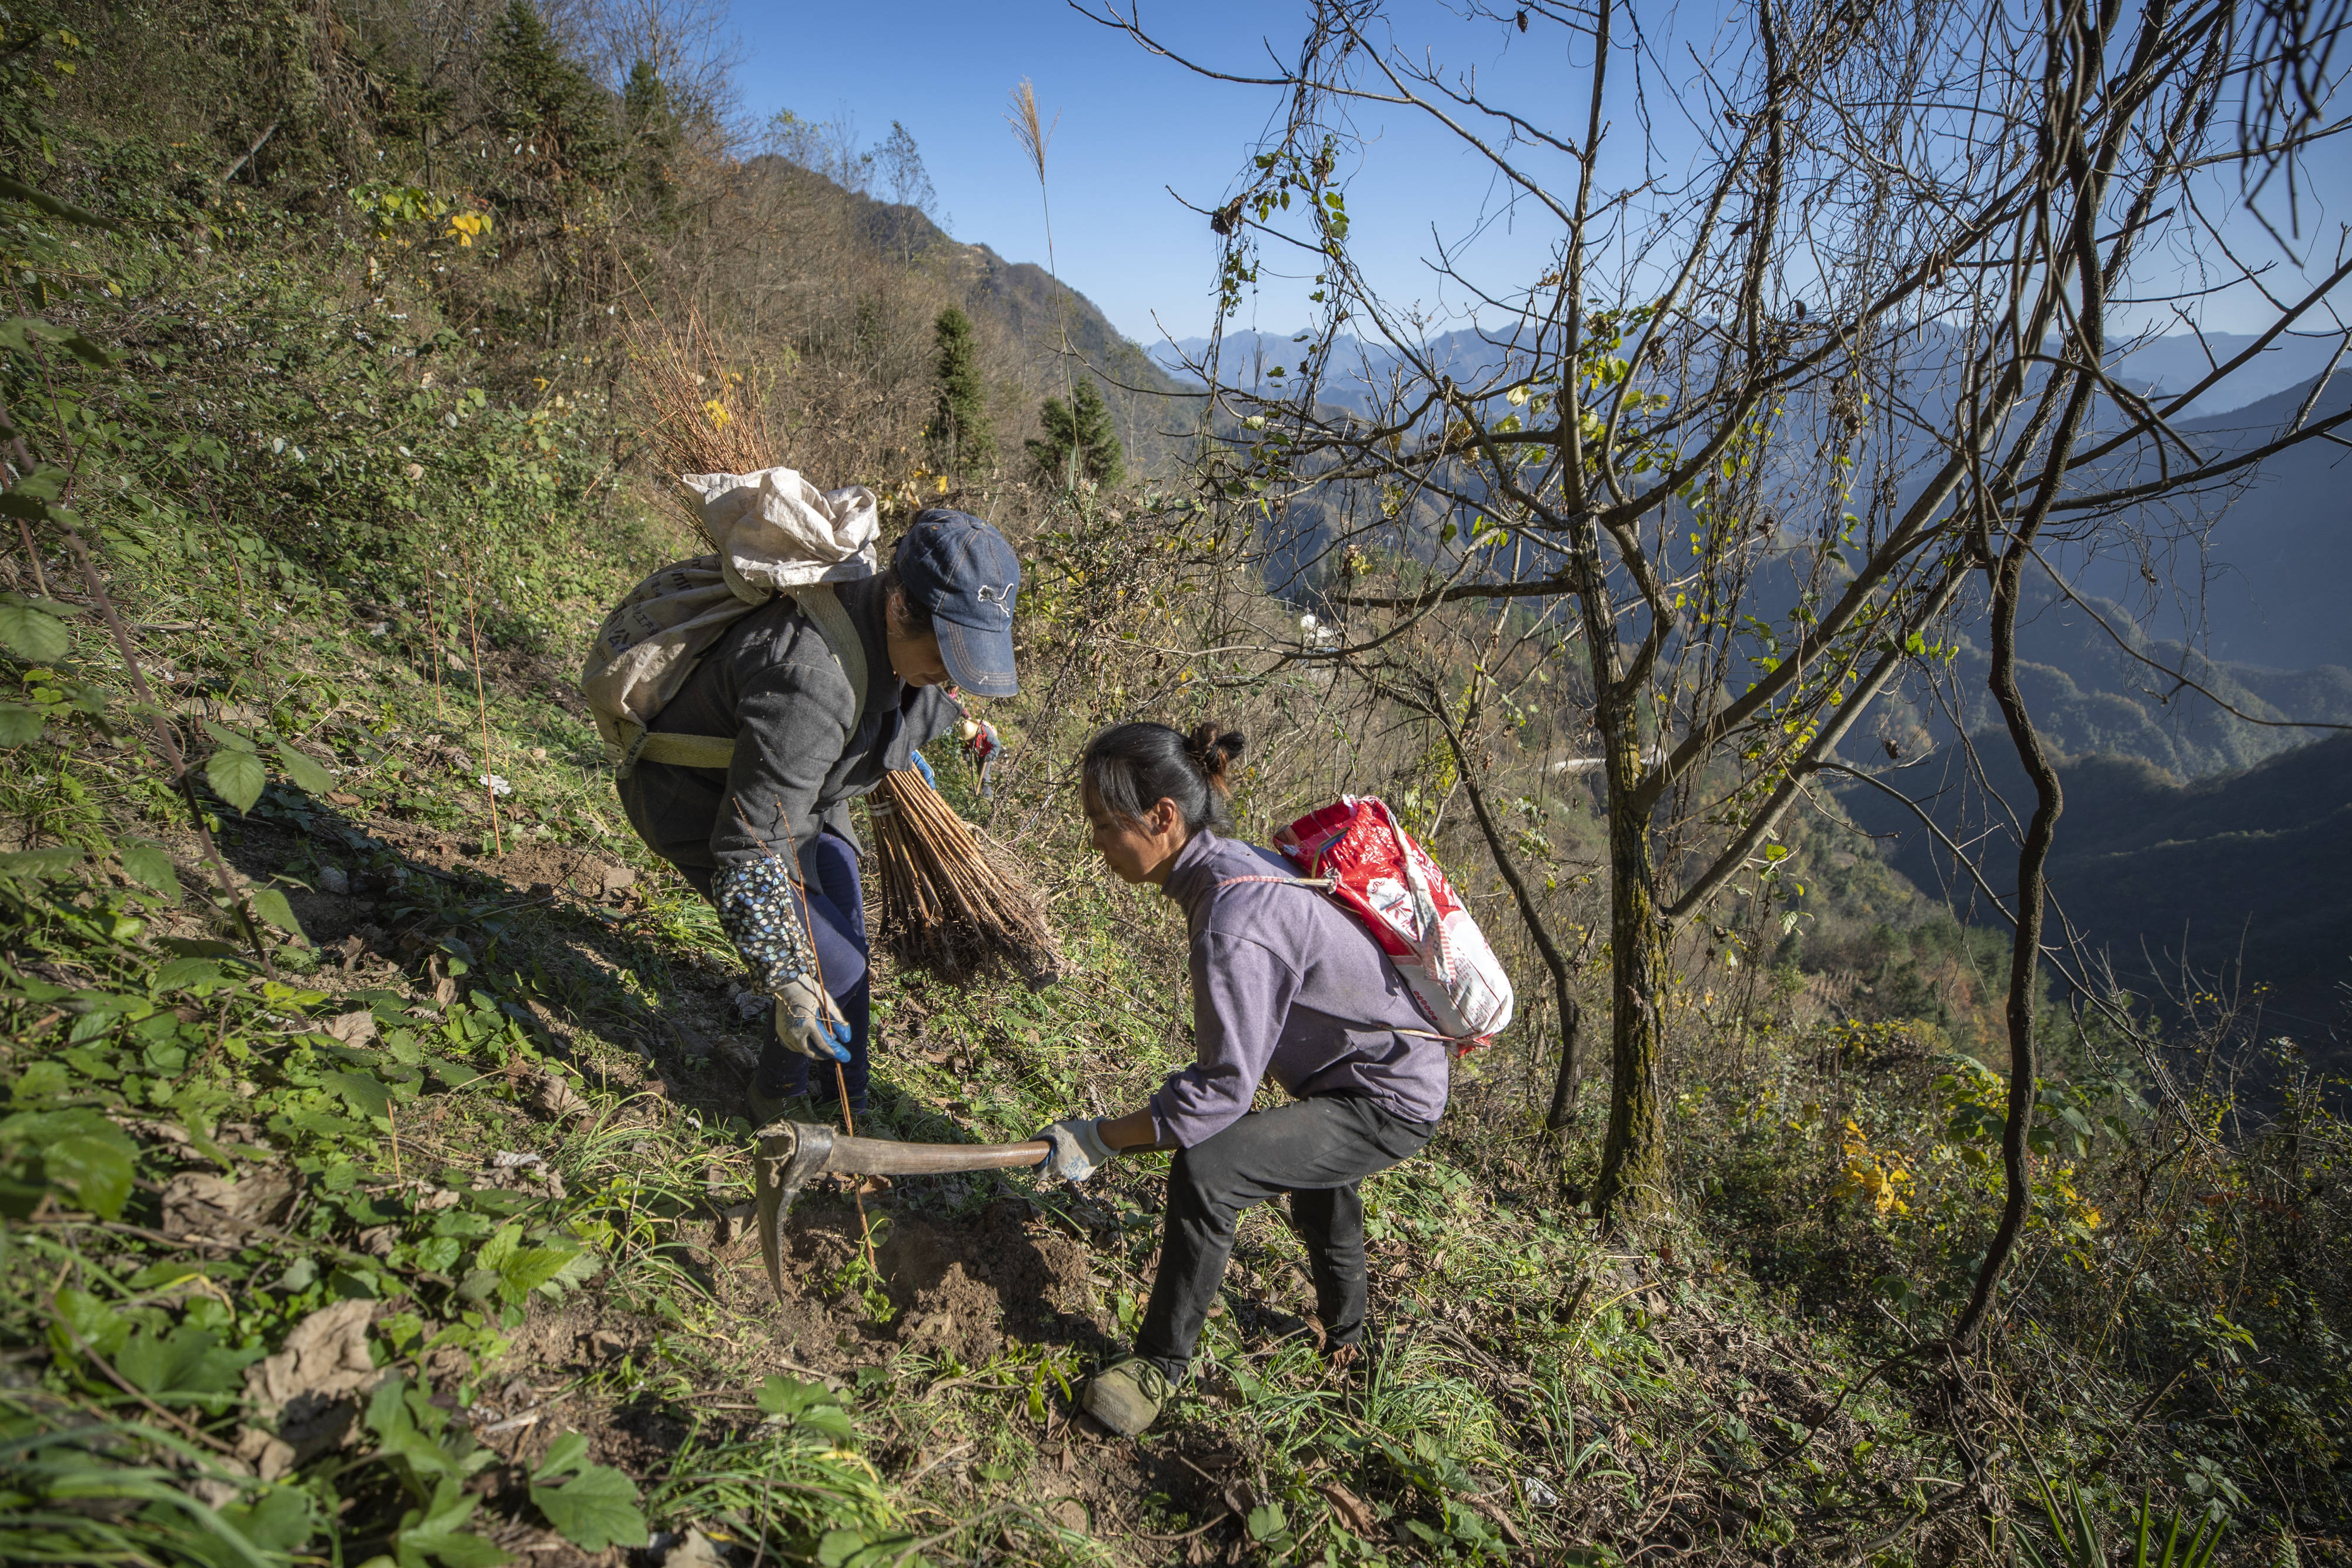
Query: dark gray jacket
[(773, 684)]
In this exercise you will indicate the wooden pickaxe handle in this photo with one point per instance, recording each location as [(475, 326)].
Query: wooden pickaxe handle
[(789, 1153)]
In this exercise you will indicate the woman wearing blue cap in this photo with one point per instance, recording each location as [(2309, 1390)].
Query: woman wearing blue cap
[(806, 742)]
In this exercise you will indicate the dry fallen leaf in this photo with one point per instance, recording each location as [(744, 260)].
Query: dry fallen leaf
[(197, 1202), (549, 1095), (307, 1389), (352, 1027), (1353, 1511)]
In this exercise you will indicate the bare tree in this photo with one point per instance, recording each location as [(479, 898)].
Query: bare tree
[(1756, 432)]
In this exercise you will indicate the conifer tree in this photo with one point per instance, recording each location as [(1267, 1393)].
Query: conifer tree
[(1084, 423), (548, 99), (960, 426), (652, 133)]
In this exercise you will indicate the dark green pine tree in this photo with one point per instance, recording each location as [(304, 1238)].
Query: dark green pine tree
[(653, 134), (1084, 424), (959, 427), (549, 103)]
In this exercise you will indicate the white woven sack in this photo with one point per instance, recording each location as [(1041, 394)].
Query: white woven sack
[(775, 531)]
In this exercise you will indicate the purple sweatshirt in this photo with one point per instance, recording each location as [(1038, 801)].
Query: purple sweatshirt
[(1285, 981)]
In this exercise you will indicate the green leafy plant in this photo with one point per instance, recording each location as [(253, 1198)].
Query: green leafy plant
[(809, 1405), (2074, 1540), (592, 1506), (431, 1460)]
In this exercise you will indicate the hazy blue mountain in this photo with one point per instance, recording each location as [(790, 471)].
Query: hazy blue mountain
[(2175, 362), (2262, 570), (2170, 364), (2244, 877)]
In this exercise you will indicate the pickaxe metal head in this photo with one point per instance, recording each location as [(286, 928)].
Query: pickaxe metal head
[(787, 1153)]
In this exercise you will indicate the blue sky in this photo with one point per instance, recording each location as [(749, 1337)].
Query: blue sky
[(1133, 126)]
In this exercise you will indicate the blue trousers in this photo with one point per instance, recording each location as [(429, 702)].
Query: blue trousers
[(837, 924)]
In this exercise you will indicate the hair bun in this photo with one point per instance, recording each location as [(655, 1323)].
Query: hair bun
[(1213, 751)]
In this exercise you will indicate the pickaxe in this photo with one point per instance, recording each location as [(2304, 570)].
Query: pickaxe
[(789, 1153)]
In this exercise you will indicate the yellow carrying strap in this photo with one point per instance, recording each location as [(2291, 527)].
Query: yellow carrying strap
[(823, 607)]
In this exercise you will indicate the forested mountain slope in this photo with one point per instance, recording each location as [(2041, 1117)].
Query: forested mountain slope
[(2230, 882), (374, 1164)]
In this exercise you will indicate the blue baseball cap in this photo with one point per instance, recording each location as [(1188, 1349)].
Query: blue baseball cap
[(963, 572)]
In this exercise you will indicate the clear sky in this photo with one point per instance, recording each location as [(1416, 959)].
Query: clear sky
[(1134, 127)]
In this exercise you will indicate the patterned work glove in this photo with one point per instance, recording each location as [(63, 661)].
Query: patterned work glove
[(1079, 1149), (807, 1021), (922, 765)]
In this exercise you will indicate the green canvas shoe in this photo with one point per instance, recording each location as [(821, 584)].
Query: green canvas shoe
[(1126, 1395)]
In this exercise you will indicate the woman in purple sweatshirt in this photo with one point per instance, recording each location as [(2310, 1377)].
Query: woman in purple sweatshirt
[(1285, 984)]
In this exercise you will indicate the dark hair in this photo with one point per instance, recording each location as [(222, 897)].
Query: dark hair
[(1133, 767), (914, 615)]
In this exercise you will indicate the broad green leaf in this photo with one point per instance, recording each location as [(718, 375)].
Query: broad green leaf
[(531, 1268), (45, 483), (94, 1167), (83, 1320), (464, 1549), (79, 1153), (182, 972), (438, 1532), (236, 777), (280, 1521), (189, 1360), (809, 1405), (20, 725), (271, 905), (594, 1510), (367, 1094), (42, 1080), (449, 1073), (577, 1271), (500, 1247), (147, 864), (306, 773), (31, 632), (39, 863), (564, 1455)]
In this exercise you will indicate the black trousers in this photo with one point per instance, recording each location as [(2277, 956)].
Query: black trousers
[(1317, 1151)]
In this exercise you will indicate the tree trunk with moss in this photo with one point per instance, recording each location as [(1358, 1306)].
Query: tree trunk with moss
[(1632, 1183)]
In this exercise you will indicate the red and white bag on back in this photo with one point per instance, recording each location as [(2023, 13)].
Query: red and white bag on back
[(1373, 867)]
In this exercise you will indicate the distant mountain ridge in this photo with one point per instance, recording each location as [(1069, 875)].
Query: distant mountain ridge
[(1028, 299), (2243, 878), (2165, 366)]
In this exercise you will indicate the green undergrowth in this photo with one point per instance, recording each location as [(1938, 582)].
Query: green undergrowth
[(373, 1168)]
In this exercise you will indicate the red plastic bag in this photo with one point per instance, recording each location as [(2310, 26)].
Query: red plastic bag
[(1389, 882)]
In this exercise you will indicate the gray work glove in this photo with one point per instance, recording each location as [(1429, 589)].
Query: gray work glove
[(1079, 1149), (808, 1021)]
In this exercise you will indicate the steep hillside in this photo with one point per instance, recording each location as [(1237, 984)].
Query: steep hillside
[(1156, 413), (375, 1176)]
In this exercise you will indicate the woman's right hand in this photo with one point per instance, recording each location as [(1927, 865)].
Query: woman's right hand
[(1079, 1150), (808, 1021)]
